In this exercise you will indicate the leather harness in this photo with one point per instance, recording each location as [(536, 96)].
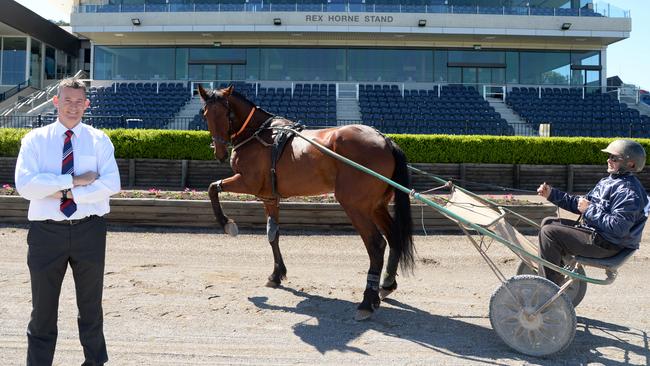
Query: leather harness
[(280, 139)]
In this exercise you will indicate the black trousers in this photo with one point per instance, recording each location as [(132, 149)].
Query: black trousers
[(52, 246), (559, 238)]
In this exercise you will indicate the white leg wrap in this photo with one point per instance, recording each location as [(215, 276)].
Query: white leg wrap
[(272, 229)]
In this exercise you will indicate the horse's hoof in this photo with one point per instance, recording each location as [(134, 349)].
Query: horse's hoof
[(272, 284), (384, 292), (362, 315), (231, 228)]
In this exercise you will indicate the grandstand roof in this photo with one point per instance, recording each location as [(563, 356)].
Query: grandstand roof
[(16, 19), (351, 29)]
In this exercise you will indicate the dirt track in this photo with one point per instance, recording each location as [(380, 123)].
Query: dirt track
[(180, 298)]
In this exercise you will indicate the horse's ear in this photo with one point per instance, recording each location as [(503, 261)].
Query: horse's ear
[(203, 93), (228, 90)]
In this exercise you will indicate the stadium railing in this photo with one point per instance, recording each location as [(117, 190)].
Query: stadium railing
[(597, 9)]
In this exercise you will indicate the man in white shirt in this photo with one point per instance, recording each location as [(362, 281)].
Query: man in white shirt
[(67, 171)]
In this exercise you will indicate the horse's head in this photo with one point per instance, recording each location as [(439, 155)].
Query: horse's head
[(219, 116)]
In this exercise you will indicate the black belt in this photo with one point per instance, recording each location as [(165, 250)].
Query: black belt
[(70, 222)]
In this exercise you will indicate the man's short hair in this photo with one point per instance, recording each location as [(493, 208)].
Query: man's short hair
[(73, 83)]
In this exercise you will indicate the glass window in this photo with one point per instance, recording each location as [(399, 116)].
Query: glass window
[(545, 68), (14, 56), (50, 63), (60, 64), (512, 67), (238, 72), (182, 57), (390, 65), (498, 75), (577, 77), (589, 58), (585, 77), (252, 71), (134, 63), (477, 57), (454, 75), (593, 77), (302, 64), (440, 66), (35, 62), (224, 72), (469, 75), (218, 55), (71, 64), (103, 63)]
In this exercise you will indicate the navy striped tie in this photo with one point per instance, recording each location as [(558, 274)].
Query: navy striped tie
[(68, 206)]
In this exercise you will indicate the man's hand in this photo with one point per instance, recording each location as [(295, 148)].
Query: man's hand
[(84, 179), (544, 190), (57, 195), (583, 204)]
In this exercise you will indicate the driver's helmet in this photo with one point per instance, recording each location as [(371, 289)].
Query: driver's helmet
[(630, 151)]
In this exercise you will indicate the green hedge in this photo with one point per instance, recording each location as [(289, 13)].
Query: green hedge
[(161, 144), (194, 145), (152, 144), (505, 149)]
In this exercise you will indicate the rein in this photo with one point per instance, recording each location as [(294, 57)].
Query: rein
[(243, 127), (256, 134)]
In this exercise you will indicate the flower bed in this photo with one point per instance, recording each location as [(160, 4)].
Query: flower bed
[(197, 195), (190, 208)]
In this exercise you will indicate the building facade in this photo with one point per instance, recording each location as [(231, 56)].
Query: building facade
[(33, 50), (499, 42)]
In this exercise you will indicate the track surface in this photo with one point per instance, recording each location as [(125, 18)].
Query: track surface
[(197, 298)]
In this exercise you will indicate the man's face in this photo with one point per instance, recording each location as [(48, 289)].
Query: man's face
[(615, 163), (71, 104)]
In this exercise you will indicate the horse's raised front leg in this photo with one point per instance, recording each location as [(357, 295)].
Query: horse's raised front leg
[(272, 211), (230, 184)]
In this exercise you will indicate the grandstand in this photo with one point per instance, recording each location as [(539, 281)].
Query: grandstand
[(572, 113), (498, 67), (150, 105)]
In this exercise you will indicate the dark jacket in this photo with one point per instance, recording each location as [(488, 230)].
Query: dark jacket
[(618, 209)]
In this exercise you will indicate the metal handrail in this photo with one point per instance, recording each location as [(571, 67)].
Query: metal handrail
[(46, 93), (12, 91), (600, 9)]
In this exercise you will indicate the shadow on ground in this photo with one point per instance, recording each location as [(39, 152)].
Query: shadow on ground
[(333, 329)]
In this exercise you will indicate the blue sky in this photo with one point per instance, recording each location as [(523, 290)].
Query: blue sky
[(629, 59)]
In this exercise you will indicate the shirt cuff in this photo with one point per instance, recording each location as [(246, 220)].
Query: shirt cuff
[(65, 181)]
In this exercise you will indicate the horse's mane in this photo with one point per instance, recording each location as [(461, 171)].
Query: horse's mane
[(215, 94), (251, 104)]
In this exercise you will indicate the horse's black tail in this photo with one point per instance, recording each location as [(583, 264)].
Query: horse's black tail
[(402, 225)]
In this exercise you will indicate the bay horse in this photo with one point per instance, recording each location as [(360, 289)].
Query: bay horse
[(303, 170)]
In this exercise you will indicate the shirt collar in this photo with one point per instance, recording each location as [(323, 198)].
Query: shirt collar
[(620, 175), (60, 128)]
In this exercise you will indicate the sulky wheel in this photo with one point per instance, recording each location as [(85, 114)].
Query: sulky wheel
[(576, 291), (511, 314)]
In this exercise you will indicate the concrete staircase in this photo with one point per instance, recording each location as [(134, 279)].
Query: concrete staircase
[(347, 105), (347, 111), (643, 108), (513, 119), (18, 103), (183, 118)]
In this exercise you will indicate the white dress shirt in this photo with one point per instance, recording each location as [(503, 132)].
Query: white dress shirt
[(38, 171)]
